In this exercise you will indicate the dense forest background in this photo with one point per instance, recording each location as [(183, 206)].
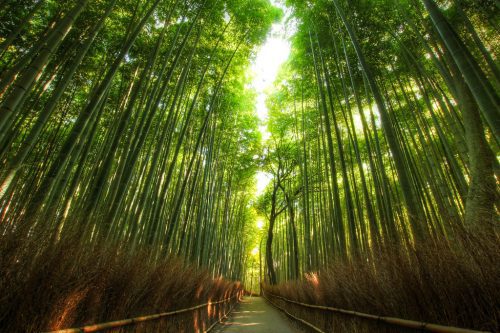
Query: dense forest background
[(384, 128), (383, 155), (128, 137), (129, 122)]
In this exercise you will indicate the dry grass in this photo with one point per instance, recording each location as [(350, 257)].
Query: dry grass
[(46, 286), (455, 284)]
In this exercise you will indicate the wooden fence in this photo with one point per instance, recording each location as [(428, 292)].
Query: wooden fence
[(138, 320), (395, 322)]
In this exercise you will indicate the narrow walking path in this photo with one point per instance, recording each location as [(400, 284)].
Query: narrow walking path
[(254, 315)]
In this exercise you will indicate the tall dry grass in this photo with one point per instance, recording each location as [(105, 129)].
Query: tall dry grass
[(453, 283), (47, 286)]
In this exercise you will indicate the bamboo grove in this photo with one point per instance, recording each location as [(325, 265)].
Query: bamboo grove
[(384, 130), (132, 122), (129, 122)]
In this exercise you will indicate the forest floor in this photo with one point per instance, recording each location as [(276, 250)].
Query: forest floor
[(255, 315)]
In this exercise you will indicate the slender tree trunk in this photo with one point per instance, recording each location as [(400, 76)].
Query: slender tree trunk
[(23, 85), (415, 213), (484, 94)]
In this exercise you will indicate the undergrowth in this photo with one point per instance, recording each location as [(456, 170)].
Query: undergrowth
[(453, 283), (47, 285)]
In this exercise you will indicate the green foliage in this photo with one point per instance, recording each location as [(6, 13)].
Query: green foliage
[(139, 130), (328, 129)]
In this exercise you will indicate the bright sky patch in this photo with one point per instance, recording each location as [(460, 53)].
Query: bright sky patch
[(265, 67)]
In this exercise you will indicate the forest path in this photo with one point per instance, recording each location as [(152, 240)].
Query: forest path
[(254, 315)]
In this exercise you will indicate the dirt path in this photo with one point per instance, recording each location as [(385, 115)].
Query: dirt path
[(254, 315)]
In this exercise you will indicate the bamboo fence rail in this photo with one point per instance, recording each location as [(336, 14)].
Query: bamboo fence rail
[(141, 319), (225, 316), (418, 325), (308, 324)]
